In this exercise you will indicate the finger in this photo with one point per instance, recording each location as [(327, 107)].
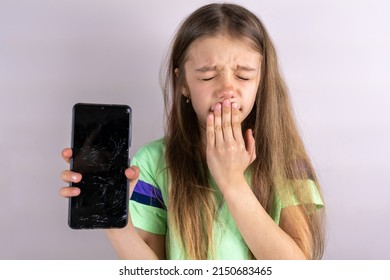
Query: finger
[(210, 133), (250, 144), (132, 173), (67, 154), (218, 124), (70, 176), (69, 191), (227, 121), (236, 123)]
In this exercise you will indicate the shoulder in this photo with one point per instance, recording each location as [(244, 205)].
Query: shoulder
[(150, 159), (152, 151), (295, 193)]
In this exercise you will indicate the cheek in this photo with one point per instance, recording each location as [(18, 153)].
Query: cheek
[(200, 96), (249, 103), (201, 106)]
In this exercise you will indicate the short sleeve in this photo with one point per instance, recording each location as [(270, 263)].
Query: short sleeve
[(313, 197), (147, 206)]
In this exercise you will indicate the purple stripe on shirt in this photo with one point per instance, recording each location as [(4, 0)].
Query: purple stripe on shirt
[(147, 189)]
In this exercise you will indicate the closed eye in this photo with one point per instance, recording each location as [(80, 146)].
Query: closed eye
[(243, 78), (208, 79)]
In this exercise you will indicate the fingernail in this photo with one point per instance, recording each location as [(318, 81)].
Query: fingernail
[(217, 107), (226, 103), (75, 177), (234, 105)]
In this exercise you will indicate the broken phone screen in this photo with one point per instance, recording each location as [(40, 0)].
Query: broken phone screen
[(101, 138)]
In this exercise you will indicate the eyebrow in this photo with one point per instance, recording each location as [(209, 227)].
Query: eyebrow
[(205, 69), (245, 68)]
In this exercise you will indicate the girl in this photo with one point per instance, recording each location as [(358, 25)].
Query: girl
[(231, 178)]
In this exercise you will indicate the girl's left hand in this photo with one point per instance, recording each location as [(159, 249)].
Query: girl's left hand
[(228, 153)]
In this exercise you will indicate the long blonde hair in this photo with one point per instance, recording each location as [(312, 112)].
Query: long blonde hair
[(281, 157)]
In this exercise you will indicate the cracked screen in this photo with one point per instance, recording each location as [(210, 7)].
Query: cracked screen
[(100, 143)]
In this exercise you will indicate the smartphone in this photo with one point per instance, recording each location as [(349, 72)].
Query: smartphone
[(101, 139)]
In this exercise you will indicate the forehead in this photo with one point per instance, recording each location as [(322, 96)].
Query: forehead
[(222, 48)]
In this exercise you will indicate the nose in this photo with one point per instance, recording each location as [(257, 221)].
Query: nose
[(226, 89)]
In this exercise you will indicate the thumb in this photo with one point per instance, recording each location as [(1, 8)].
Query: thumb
[(132, 174), (250, 144)]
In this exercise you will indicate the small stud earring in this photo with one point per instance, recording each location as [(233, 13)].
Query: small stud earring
[(188, 100)]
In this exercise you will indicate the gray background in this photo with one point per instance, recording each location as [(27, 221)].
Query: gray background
[(333, 54)]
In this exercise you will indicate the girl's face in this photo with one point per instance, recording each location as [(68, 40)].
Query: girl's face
[(221, 68)]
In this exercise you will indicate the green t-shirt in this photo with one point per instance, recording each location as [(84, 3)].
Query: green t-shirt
[(148, 207)]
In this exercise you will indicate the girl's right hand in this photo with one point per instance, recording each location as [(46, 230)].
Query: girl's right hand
[(132, 174), (127, 237), (69, 176)]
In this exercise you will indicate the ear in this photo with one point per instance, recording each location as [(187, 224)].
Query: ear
[(184, 90)]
